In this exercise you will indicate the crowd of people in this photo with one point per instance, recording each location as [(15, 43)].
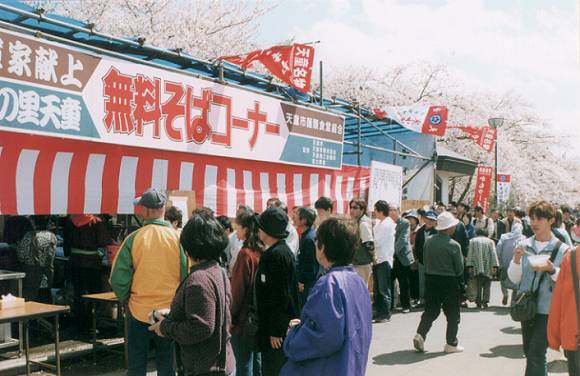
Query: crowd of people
[(288, 292)]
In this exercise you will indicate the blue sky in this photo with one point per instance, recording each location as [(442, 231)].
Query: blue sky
[(528, 46)]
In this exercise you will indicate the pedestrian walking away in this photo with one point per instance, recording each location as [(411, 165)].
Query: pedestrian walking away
[(505, 249), (443, 275), (482, 264)]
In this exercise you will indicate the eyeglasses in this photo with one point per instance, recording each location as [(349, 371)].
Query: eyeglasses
[(354, 207)]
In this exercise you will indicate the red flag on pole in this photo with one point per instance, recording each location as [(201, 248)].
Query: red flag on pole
[(483, 136), (292, 64), (483, 187)]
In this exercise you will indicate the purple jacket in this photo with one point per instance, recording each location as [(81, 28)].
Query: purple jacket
[(335, 332)]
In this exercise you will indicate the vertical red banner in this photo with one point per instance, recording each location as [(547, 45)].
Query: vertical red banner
[(483, 187)]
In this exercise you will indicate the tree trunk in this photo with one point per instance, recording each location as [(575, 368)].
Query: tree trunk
[(466, 189), (452, 190)]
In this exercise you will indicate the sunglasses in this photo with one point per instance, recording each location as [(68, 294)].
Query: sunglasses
[(355, 207)]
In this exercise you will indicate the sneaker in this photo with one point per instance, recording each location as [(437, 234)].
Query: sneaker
[(453, 349), (406, 310), (419, 343), (378, 319)]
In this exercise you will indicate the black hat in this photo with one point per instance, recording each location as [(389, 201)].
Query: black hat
[(152, 199), (273, 221)]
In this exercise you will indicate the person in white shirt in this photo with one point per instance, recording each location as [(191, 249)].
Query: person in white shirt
[(384, 235), (483, 222)]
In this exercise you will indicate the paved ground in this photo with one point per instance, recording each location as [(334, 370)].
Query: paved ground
[(491, 339), (492, 347)]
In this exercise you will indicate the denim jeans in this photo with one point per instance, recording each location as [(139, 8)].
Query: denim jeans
[(248, 362), (382, 286), (535, 337), (138, 338)]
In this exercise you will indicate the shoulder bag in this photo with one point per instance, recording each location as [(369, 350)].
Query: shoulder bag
[(525, 307), (250, 327)]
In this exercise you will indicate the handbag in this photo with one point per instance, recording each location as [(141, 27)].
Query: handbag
[(577, 298), (525, 307), (250, 327)]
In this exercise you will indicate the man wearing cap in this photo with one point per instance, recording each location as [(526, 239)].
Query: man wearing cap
[(443, 262), (428, 229), (145, 274), (276, 289)]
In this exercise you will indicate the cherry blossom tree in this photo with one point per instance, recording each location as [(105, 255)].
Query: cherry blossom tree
[(205, 29), (529, 149)]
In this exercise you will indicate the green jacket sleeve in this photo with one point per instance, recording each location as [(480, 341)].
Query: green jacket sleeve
[(183, 264), (122, 271)]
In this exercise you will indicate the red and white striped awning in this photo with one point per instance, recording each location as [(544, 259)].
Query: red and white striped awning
[(48, 175)]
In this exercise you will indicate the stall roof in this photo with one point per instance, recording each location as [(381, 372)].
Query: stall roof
[(16, 14), (450, 161)]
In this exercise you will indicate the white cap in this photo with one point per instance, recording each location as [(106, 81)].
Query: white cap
[(446, 220)]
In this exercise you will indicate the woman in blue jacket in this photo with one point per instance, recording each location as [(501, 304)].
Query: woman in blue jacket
[(334, 332)]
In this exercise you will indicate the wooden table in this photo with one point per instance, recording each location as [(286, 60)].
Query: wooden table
[(8, 275), (106, 298), (33, 310)]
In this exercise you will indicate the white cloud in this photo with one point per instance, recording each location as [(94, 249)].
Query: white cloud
[(533, 52)]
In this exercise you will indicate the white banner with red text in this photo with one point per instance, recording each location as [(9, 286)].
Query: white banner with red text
[(53, 89), (483, 187), (420, 118)]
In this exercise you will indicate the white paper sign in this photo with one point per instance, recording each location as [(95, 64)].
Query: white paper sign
[(181, 203), (386, 183)]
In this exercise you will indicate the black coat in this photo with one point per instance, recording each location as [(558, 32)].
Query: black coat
[(276, 292), (307, 267), (422, 235), (460, 236)]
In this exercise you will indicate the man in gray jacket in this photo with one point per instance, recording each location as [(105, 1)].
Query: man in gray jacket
[(443, 274), (403, 257)]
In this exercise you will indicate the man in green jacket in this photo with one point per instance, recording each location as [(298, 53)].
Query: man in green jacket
[(443, 262), (146, 272)]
